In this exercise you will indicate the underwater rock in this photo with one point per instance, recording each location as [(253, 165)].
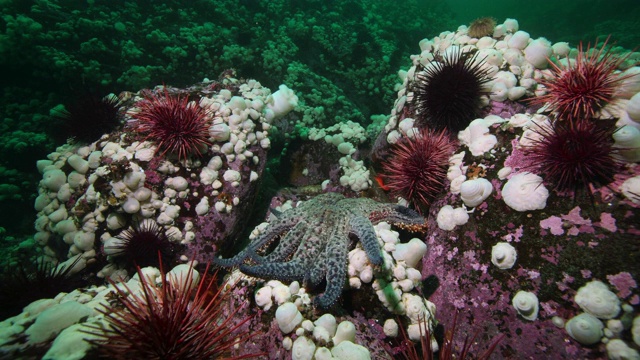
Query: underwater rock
[(199, 203)]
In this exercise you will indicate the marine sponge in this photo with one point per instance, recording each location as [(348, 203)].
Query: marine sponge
[(481, 27)]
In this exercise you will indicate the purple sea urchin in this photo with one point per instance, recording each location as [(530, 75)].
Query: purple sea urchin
[(447, 92), (24, 282), (174, 124), (417, 167), (571, 157), (87, 119), (139, 245)]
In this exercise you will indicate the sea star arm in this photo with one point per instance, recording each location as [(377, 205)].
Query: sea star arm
[(233, 261), (336, 255), (313, 251), (397, 214), (250, 251), (316, 274), (363, 229), (288, 271), (287, 246)]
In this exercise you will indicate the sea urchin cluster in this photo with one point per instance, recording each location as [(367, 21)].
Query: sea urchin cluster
[(417, 167), (448, 92), (176, 125)]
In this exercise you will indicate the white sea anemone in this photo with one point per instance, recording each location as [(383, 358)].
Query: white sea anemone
[(503, 255), (526, 304), (448, 217), (619, 350), (585, 329), (537, 53), (596, 299), (288, 317), (474, 192), (631, 189), (633, 107), (524, 192)]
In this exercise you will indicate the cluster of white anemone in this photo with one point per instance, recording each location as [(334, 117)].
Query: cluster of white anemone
[(323, 338), (517, 63), (602, 320), (346, 137), (239, 123)]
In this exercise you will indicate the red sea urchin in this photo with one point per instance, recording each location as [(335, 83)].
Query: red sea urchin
[(581, 88), (417, 167), (170, 321), (573, 157), (447, 92), (174, 124), (448, 346)]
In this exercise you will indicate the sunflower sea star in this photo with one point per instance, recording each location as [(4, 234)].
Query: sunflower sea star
[(315, 243)]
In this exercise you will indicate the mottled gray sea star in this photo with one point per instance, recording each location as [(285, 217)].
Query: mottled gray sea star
[(315, 241)]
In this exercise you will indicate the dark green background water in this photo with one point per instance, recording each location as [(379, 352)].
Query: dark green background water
[(571, 20), (339, 56)]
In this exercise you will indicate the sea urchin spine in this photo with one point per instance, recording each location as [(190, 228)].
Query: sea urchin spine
[(417, 167), (87, 119), (170, 321), (573, 157), (578, 90), (448, 92), (140, 244), (174, 124)]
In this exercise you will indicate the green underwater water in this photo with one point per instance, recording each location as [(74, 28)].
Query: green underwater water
[(572, 20)]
